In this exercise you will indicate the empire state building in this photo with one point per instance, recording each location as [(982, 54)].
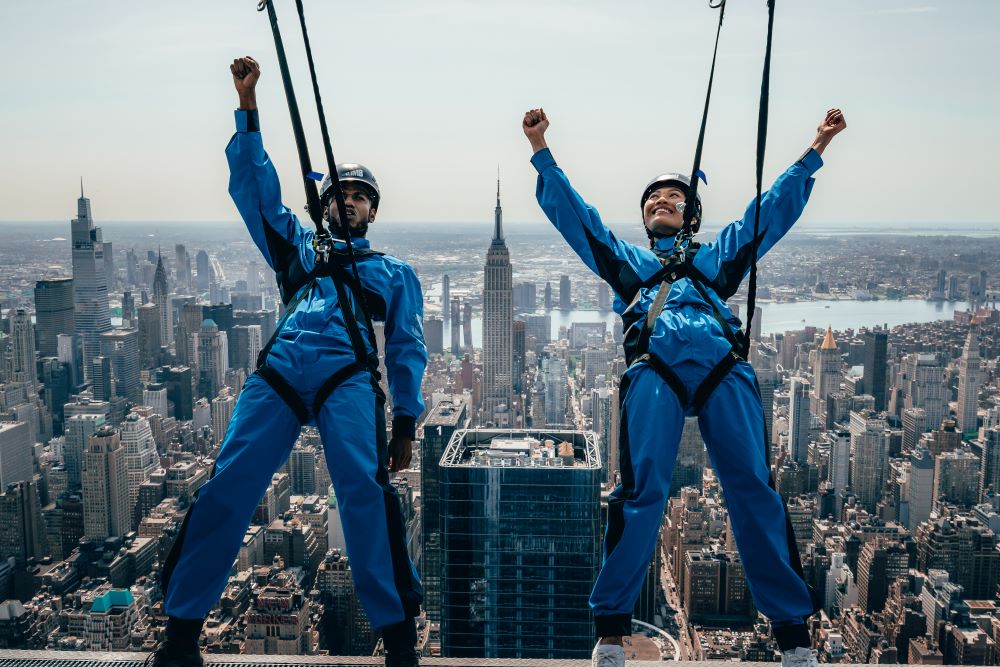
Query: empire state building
[(498, 317)]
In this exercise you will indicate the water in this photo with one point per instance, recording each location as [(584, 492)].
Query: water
[(786, 316), (849, 314)]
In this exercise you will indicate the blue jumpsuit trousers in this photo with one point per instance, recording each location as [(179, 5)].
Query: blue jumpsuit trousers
[(260, 436), (731, 423)]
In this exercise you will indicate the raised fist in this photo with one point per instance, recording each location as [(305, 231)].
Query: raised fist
[(534, 125), (245, 71), (832, 124)]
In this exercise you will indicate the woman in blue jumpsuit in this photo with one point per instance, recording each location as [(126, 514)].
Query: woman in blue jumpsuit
[(687, 338), (312, 346)]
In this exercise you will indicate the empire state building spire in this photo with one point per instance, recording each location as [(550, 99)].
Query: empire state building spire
[(498, 322), (498, 215)]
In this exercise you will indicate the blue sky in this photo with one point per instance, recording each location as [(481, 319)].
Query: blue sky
[(137, 98)]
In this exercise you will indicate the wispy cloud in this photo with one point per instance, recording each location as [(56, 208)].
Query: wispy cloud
[(902, 10)]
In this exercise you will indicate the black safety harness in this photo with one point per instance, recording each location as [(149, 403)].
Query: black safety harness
[(677, 266), (330, 261), (334, 267)]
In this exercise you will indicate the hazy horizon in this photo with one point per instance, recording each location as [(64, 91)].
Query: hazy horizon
[(812, 226)]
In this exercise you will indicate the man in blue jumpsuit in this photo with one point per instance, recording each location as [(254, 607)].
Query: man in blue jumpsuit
[(314, 373), (679, 349)]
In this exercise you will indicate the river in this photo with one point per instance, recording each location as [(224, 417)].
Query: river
[(786, 316)]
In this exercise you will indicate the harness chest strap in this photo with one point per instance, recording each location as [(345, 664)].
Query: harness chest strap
[(362, 360), (667, 374), (654, 312)]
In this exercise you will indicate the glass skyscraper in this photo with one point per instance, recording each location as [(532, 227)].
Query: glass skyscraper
[(53, 313), (90, 286), (520, 530), (439, 426)]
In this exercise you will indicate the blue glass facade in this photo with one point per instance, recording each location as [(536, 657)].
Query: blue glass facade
[(520, 518)]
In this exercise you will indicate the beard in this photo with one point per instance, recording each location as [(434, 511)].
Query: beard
[(356, 232), (360, 231)]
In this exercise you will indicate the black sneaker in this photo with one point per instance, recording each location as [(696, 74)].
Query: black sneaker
[(402, 659), (169, 656), (399, 640)]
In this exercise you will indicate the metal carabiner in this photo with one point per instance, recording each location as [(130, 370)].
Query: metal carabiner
[(322, 245), (680, 252)]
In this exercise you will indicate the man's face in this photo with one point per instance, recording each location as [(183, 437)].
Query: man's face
[(660, 213), (360, 213)]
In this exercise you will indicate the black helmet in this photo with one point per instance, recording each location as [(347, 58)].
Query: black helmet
[(354, 174), (679, 181)]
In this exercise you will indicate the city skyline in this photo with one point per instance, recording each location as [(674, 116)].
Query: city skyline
[(884, 441)]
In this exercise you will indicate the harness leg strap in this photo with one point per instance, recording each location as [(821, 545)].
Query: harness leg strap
[(704, 390), (712, 380), (668, 375), (285, 391), (334, 381)]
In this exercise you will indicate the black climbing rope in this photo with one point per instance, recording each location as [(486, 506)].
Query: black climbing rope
[(691, 201), (765, 86), (313, 204), (331, 165), (690, 204), (323, 241)]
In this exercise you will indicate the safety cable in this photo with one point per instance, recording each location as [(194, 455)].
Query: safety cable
[(765, 86), (312, 196), (322, 243), (331, 164), (691, 203)]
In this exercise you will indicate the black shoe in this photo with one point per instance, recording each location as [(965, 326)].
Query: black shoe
[(179, 646), (398, 640), (402, 659), (166, 655)]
